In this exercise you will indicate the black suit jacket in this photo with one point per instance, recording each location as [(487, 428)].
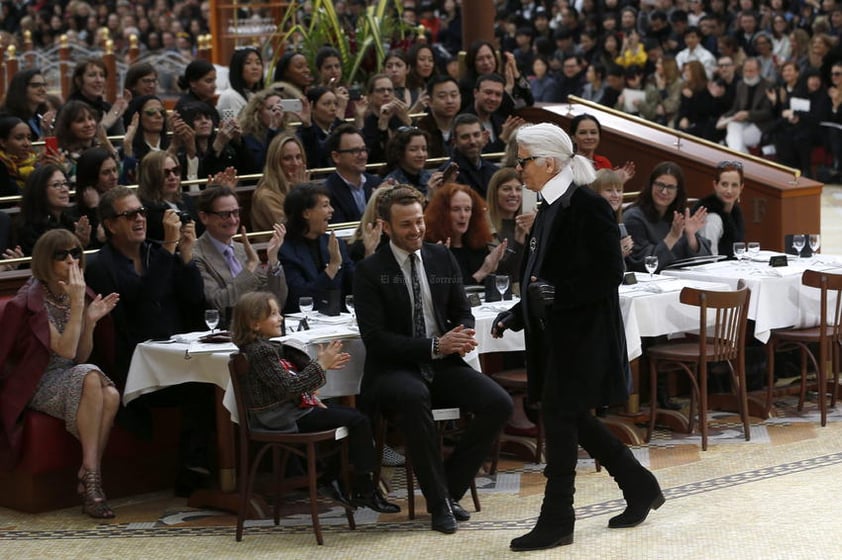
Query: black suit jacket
[(344, 207), (384, 310)]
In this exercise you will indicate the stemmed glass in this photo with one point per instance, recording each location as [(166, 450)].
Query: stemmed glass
[(753, 253), (798, 243), (305, 304), (211, 318), (349, 305), (815, 243), (739, 252), (651, 264), (501, 282)]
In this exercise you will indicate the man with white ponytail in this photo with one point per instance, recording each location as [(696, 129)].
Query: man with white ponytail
[(576, 349)]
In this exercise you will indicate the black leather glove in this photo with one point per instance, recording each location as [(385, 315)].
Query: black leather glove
[(540, 295), (505, 317)]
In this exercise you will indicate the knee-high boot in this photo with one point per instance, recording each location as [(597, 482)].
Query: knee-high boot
[(640, 488), (555, 524)]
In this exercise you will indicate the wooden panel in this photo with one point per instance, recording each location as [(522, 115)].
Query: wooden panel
[(773, 203)]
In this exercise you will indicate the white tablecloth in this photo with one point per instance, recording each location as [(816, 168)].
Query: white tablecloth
[(778, 299)]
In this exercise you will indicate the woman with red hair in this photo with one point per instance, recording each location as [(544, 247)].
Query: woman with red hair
[(456, 217)]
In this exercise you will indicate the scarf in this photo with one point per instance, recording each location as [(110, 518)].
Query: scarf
[(19, 168)]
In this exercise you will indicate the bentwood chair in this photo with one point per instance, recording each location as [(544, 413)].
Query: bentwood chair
[(443, 417), (514, 381), (723, 342), (826, 338), (282, 445)]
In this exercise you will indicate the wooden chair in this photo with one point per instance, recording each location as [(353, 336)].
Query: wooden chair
[(514, 382), (282, 445), (725, 342), (442, 416), (826, 336)]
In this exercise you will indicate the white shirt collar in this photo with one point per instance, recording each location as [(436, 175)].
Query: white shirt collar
[(557, 185)]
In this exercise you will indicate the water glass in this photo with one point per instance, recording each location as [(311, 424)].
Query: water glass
[(349, 305), (815, 242), (211, 318), (798, 243), (651, 264), (305, 304), (739, 251), (501, 282)]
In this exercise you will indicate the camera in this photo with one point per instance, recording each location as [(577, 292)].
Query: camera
[(355, 93), (185, 217)]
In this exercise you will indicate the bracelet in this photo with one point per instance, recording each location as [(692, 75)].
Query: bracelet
[(436, 351)]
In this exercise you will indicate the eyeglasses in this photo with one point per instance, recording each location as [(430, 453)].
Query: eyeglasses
[(153, 112), (62, 254), (727, 164), (37, 85), (225, 214), (172, 171), (523, 161), (132, 214), (354, 151), (663, 187), (58, 185)]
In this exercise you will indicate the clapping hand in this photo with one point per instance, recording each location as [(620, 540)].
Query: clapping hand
[(331, 356), (252, 258), (278, 234), (101, 306), (458, 340), (227, 178)]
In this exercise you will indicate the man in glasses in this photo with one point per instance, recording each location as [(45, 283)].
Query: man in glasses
[(350, 186), (230, 269), (161, 294)]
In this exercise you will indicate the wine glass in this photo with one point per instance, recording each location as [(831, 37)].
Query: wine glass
[(349, 305), (211, 318), (815, 243), (753, 249), (739, 252), (798, 244), (305, 304), (651, 264), (501, 282)]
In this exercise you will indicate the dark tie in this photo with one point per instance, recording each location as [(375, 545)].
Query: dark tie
[(419, 327)]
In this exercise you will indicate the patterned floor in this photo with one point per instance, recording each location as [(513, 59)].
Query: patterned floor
[(729, 502)]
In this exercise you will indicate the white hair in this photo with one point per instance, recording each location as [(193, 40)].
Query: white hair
[(549, 140)]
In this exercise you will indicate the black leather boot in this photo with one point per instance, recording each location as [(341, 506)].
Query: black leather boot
[(555, 524)]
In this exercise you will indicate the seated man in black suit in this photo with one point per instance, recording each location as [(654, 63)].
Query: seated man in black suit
[(469, 139), (161, 294), (495, 116), (416, 325), (350, 186)]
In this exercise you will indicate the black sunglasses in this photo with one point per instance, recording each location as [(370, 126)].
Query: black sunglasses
[(132, 214), (61, 254)]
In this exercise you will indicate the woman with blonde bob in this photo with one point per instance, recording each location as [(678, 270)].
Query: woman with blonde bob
[(267, 203)]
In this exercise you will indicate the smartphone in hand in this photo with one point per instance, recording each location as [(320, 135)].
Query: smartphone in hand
[(51, 143), (450, 173)]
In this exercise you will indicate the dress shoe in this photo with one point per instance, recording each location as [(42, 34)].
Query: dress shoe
[(667, 403), (376, 501), (333, 490), (523, 432), (443, 519), (544, 535), (636, 512), (460, 513)]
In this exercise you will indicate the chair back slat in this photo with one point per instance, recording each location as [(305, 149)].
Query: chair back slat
[(730, 309), (238, 368)]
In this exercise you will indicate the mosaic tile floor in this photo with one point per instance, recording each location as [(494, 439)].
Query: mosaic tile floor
[(773, 497)]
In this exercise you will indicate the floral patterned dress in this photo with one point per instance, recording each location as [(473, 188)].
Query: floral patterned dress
[(60, 389)]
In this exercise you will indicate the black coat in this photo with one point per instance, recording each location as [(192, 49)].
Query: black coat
[(578, 360)]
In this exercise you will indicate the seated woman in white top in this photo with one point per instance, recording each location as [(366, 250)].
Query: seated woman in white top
[(245, 78), (724, 224)]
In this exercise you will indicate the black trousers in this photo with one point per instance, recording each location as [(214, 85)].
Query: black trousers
[(360, 440), (406, 397)]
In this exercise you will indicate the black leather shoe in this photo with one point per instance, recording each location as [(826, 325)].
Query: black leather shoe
[(375, 501), (460, 513), (333, 490), (544, 535), (443, 519), (667, 403), (636, 513)]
